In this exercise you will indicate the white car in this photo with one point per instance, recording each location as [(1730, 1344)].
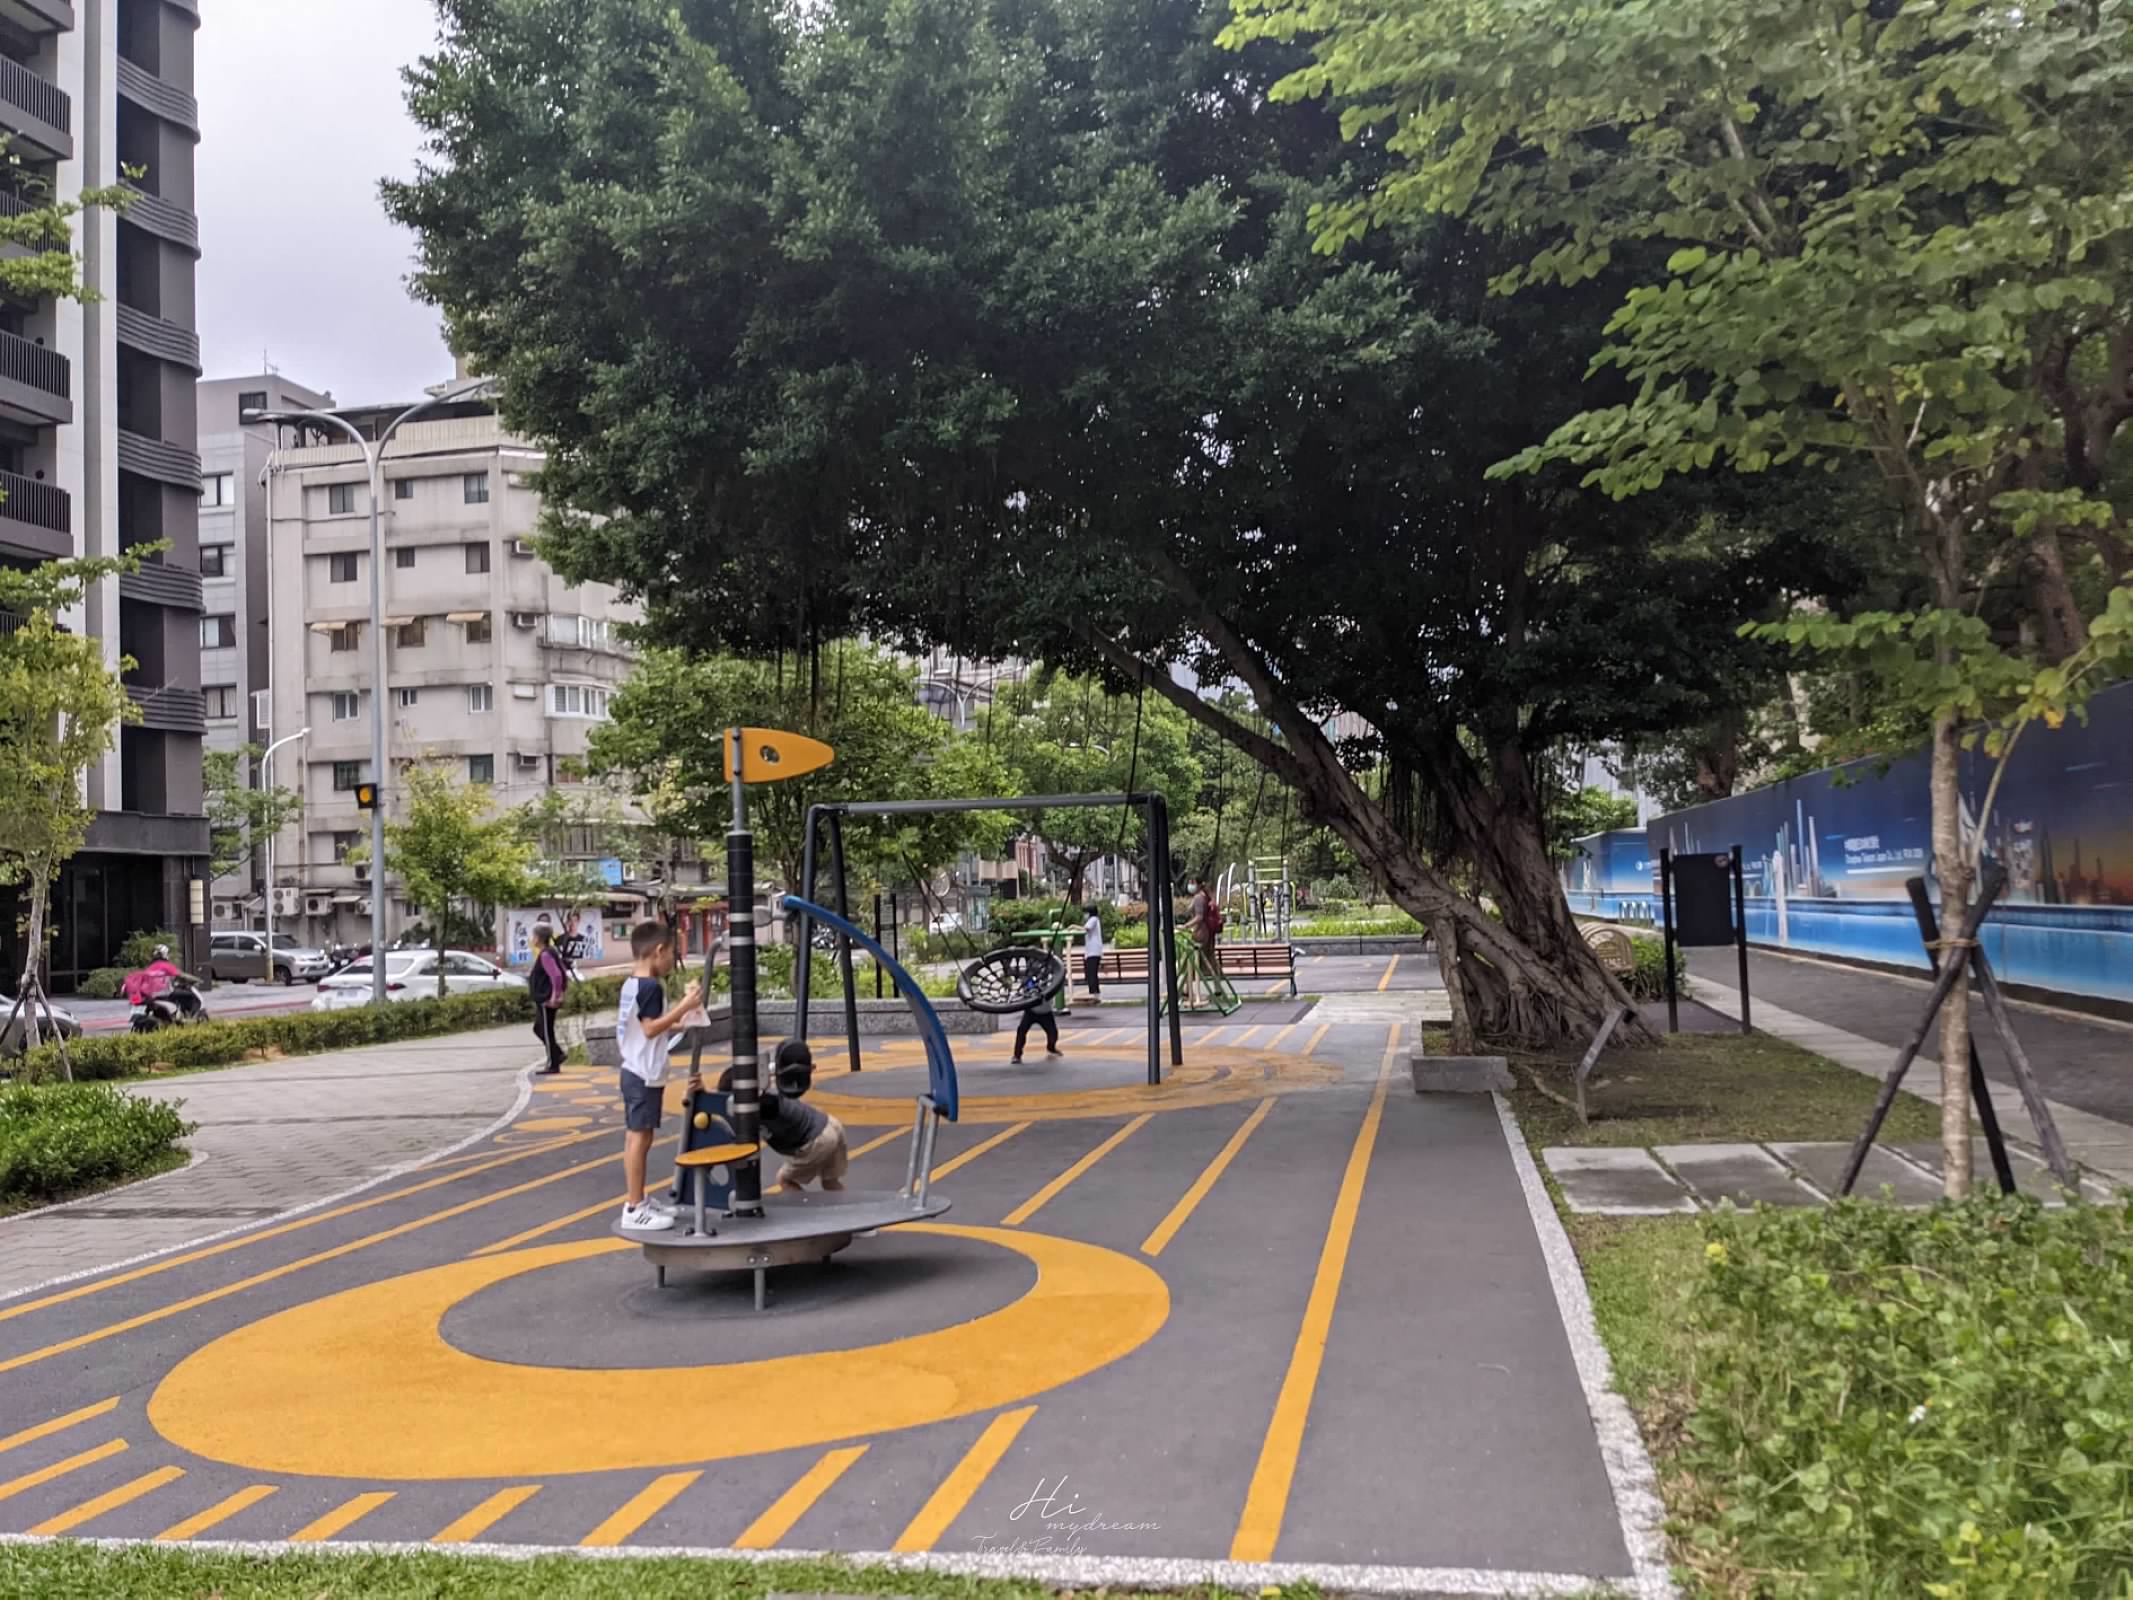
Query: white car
[(412, 975)]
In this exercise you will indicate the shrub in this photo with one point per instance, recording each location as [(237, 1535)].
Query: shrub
[(1647, 979), (140, 949), (60, 1137), (104, 983), (1903, 1403)]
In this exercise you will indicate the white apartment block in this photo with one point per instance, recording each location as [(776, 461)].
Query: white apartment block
[(497, 669)]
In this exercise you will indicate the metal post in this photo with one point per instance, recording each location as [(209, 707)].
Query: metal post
[(803, 959), (1666, 904), (1980, 1090), (1159, 811), (266, 786), (747, 1196), (877, 940), (1155, 948), (895, 922), (844, 945), (1740, 933)]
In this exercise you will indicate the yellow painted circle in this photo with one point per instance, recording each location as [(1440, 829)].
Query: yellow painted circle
[(362, 1384), (549, 1124)]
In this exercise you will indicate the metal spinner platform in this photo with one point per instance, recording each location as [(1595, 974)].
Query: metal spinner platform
[(793, 1228)]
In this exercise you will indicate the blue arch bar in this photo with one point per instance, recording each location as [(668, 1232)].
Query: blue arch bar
[(940, 1061)]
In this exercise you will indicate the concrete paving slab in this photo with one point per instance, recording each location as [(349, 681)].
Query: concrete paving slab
[(2032, 1176), (1616, 1182), (1746, 1174), (1823, 1166)]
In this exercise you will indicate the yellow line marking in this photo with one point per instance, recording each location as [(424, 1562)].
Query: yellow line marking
[(1275, 1042), (1323, 1029), (486, 1515), (1385, 982), (58, 1424), (613, 1201), (963, 1482), (1044, 1196), (957, 1163), (310, 1221), (793, 1504), (341, 1516), (639, 1509), (208, 1297), (109, 1500), (220, 1511), (59, 1469), (1276, 986), (1259, 1527), (1245, 1037), (1167, 1229)]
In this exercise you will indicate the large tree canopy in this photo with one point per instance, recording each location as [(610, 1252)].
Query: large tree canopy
[(998, 323)]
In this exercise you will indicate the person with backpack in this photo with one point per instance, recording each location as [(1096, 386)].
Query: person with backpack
[(548, 980), (1203, 923)]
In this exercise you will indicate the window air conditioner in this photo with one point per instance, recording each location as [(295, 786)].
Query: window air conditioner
[(285, 902), (318, 905), (363, 906), (522, 547), (525, 619), (362, 872), (528, 761)]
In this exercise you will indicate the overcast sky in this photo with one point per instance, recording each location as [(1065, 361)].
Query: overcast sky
[(300, 115)]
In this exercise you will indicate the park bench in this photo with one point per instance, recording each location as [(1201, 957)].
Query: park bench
[(1617, 954), (1238, 961)]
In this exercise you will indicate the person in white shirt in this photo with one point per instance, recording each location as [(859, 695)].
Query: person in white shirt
[(642, 1022), (1092, 953)]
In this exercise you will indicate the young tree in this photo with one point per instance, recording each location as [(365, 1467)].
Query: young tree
[(452, 850), (1900, 233), (585, 819), (60, 711), (239, 816)]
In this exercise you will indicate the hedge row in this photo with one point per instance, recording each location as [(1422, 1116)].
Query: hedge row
[(57, 1138), (221, 1044)]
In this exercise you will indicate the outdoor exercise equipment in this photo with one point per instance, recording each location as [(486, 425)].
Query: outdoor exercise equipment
[(1217, 993), (733, 1226), (1010, 980), (826, 822)]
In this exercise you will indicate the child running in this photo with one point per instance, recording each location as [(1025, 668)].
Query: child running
[(809, 1138), (641, 1021)]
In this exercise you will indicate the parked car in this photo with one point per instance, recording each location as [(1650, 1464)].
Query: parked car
[(237, 957), (412, 975), (49, 1018), (946, 922)]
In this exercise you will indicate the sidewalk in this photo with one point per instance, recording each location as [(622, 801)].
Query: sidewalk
[(276, 1136)]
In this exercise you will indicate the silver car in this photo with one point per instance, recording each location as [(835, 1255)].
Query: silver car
[(238, 957)]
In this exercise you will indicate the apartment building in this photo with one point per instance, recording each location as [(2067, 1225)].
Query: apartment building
[(496, 668), (97, 437)]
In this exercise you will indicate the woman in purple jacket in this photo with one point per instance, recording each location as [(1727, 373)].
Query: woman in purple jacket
[(548, 979)]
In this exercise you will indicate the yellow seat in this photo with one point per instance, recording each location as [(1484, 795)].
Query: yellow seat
[(716, 1155)]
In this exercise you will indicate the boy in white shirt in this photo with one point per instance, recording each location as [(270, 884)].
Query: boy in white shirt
[(642, 1020), (1092, 953)]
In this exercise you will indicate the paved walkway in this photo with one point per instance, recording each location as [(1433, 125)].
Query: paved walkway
[(278, 1135)]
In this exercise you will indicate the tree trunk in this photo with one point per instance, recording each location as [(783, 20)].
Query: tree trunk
[(31, 989), (436, 944), (1455, 989), (1952, 866), (2064, 628)]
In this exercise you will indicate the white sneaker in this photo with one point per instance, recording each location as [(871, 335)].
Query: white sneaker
[(646, 1219), (661, 1202)]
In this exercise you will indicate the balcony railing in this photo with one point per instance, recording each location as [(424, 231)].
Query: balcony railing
[(168, 708), (154, 214), (152, 458), (177, 588), (152, 94), (165, 340), (38, 366), (37, 95), (41, 505)]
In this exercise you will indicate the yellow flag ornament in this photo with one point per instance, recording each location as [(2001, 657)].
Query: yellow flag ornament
[(769, 755)]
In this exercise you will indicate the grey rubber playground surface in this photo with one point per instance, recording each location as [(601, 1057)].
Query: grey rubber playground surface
[(1312, 1321)]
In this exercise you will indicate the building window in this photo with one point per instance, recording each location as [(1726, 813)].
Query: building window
[(218, 630), (342, 568), (481, 769), (403, 488), (343, 843), (221, 701), (477, 558), (407, 697), (347, 636), (340, 499), (346, 775), (214, 561), (218, 489), (481, 697), (474, 488), (478, 632), (408, 636), (251, 400), (347, 706), (404, 557)]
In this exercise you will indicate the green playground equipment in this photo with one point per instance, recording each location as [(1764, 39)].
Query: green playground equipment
[(1197, 974)]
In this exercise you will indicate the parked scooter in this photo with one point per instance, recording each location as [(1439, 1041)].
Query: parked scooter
[(163, 995)]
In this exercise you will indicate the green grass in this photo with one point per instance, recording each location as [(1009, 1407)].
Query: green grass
[(1706, 1088), (149, 1573)]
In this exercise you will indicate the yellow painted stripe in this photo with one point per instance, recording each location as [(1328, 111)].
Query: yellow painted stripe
[(1051, 1191), (210, 1296), (1276, 986), (1391, 967), (957, 1163), (963, 1482), (1275, 1042), (344, 1515), (311, 1221), (1209, 1036), (789, 1507), (221, 1511), (486, 1515), (639, 1509), (1167, 1229), (58, 1424), (59, 1469), (109, 1500), (1245, 1037), (1323, 1029), (1267, 1501)]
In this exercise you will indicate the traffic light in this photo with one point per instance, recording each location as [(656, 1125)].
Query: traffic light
[(367, 796)]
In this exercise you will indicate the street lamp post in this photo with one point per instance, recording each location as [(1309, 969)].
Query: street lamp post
[(374, 459), (266, 786)]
